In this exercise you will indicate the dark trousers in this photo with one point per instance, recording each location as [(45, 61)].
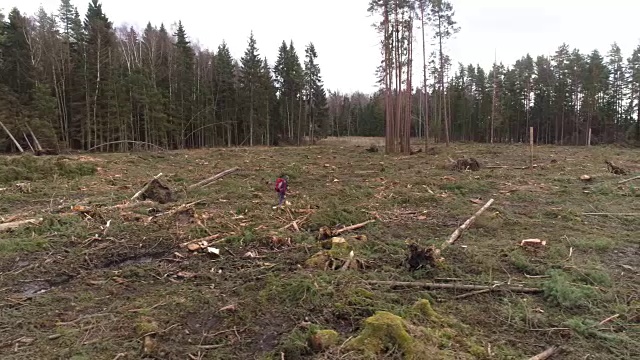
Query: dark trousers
[(280, 198)]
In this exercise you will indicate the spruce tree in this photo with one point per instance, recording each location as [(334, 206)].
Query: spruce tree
[(250, 74)]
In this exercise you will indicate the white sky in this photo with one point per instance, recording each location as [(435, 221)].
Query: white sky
[(347, 45)]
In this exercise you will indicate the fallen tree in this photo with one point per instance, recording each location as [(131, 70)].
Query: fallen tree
[(454, 286)]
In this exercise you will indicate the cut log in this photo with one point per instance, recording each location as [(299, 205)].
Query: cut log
[(207, 181), (16, 224), (145, 187), (427, 285)]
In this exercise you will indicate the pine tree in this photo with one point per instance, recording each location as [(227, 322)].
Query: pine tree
[(182, 109), (315, 94), (634, 79), (561, 91), (99, 39), (225, 90), (617, 81)]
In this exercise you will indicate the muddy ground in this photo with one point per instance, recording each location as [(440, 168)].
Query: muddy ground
[(92, 280)]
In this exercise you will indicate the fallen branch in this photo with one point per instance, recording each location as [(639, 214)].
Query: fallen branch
[(353, 227), (296, 223), (546, 354), (612, 214), (132, 204), (149, 308), (207, 239), (454, 286), (207, 181), (16, 224), (456, 234), (608, 319), (176, 210), (209, 347), (627, 180), (472, 293), (145, 187)]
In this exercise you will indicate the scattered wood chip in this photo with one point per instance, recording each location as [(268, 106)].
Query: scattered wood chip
[(231, 307)]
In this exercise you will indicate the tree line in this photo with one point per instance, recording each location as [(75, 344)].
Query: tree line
[(77, 82), (81, 83)]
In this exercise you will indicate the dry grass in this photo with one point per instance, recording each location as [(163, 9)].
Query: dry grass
[(65, 293)]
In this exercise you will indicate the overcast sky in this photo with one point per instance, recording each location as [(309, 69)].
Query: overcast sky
[(347, 45)]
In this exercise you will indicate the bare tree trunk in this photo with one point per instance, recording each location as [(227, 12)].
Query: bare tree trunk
[(387, 79), (424, 80), (446, 122), (407, 134), (493, 101), (95, 97), (251, 119)]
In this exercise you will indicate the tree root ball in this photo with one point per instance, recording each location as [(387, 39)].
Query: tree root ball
[(467, 164), (419, 257), (158, 192)]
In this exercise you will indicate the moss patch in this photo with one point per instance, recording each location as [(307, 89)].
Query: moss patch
[(385, 332)]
